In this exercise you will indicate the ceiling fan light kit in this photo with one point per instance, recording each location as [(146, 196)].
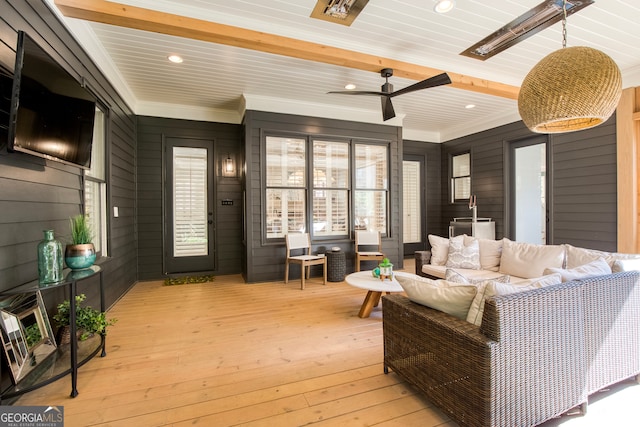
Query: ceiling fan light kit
[(571, 89)]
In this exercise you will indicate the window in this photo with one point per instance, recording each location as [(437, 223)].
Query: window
[(370, 195), (95, 187), (322, 193), (286, 186), (461, 177), (330, 188)]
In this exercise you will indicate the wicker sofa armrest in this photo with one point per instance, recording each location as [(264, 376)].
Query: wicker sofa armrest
[(491, 375), (422, 258)]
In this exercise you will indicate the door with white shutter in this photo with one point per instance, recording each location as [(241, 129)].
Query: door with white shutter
[(189, 235), (413, 204)]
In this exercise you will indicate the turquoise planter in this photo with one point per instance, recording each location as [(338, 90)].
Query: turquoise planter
[(79, 257)]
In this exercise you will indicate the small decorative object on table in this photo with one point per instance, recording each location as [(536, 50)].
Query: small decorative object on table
[(384, 270), (49, 259), (80, 253), (89, 321)]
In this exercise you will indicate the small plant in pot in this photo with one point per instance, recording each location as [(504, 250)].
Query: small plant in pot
[(89, 321), (80, 253)]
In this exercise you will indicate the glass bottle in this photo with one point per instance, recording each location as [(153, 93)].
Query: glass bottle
[(50, 259)]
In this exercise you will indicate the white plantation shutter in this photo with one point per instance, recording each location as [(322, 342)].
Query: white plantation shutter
[(370, 196), (330, 188), (190, 229), (411, 201)]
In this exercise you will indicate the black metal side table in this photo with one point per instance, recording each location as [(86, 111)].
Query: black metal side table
[(336, 264)]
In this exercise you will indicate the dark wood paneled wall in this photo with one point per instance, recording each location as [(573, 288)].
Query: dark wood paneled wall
[(265, 261), (227, 141), (37, 194), (583, 175)]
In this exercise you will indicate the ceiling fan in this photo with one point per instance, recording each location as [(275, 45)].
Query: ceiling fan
[(386, 91)]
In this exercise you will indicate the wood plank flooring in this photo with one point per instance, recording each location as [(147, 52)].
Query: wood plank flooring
[(227, 353)]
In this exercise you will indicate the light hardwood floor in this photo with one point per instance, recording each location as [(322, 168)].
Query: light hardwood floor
[(227, 353)]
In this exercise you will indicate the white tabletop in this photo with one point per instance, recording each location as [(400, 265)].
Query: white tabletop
[(365, 280)]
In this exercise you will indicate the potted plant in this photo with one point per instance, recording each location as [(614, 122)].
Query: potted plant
[(80, 253), (89, 321)]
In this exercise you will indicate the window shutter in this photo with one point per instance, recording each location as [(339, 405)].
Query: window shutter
[(190, 202)]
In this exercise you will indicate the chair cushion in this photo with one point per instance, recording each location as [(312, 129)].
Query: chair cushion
[(449, 297), (306, 257)]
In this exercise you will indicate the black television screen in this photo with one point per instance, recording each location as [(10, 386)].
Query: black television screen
[(51, 113)]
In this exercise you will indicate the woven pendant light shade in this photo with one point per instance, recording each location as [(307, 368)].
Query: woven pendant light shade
[(570, 89)]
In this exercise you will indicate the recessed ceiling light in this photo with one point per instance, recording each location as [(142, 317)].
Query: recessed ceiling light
[(444, 6), (176, 59), (470, 106), (349, 86)]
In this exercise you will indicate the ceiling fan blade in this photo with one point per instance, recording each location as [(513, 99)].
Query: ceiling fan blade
[(358, 92), (439, 80), (387, 108)]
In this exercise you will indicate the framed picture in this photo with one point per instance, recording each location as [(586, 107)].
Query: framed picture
[(27, 337)]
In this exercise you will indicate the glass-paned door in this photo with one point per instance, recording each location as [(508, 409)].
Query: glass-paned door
[(189, 222), (529, 191), (413, 204)]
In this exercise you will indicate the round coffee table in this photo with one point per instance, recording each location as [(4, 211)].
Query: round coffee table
[(375, 288)]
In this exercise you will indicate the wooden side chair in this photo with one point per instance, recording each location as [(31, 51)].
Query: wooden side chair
[(368, 239), (297, 242)]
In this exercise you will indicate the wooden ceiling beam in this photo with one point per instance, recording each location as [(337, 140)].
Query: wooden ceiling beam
[(108, 12)]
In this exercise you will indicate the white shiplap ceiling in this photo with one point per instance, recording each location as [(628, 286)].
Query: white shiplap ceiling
[(217, 82)]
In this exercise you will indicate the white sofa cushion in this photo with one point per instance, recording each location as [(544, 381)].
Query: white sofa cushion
[(439, 249), (621, 265), (440, 271), (462, 255), (490, 253), (449, 297), (599, 267), (492, 288), (580, 256), (528, 260), (452, 275)]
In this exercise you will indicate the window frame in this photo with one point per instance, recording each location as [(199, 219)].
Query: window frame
[(310, 187), (103, 233), (452, 178)]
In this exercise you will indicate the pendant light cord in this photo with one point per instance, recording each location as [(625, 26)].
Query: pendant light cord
[(564, 23)]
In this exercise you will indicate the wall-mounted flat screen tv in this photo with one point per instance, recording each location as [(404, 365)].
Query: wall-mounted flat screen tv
[(51, 113)]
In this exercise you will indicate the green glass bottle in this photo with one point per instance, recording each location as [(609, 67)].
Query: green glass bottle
[(50, 259)]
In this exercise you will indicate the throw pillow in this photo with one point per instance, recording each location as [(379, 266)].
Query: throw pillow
[(490, 253), (452, 275), (463, 256), (527, 260), (599, 267), (439, 249), (490, 288), (621, 265), (451, 298), (581, 256)]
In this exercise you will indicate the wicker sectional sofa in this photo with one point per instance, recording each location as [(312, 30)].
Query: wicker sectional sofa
[(535, 355)]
